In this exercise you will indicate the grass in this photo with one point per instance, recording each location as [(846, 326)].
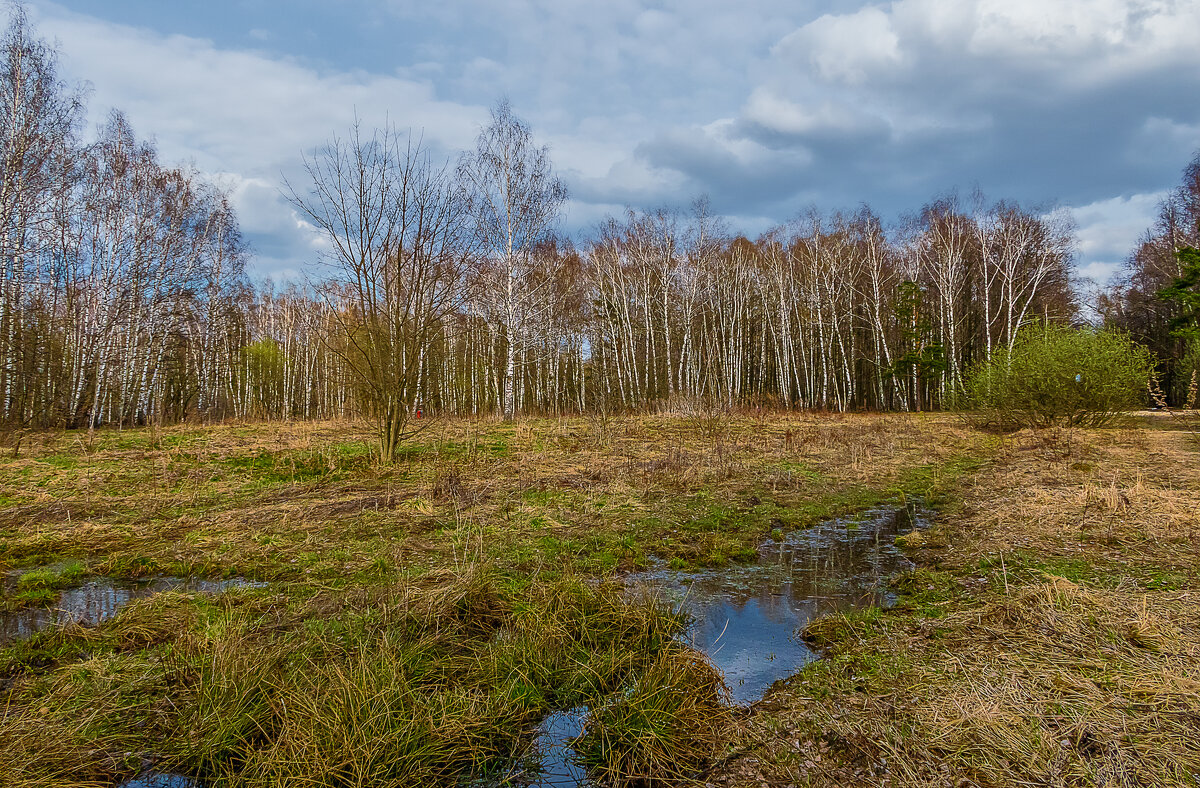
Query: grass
[(301, 502), (415, 684), (425, 615), (63, 575), (42, 586), (1051, 636), (668, 724)]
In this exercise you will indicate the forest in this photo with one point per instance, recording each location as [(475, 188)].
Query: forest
[(125, 298)]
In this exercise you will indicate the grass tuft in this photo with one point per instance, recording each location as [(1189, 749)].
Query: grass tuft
[(673, 721), (422, 682)]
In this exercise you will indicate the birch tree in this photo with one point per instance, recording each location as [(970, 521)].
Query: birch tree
[(39, 115), (513, 198)]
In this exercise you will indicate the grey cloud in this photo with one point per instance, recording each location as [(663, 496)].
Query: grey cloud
[(766, 106), (982, 93), (736, 181)]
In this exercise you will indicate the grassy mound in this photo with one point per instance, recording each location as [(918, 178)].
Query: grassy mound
[(672, 722)]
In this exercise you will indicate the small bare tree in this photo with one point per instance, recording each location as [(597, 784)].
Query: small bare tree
[(395, 232)]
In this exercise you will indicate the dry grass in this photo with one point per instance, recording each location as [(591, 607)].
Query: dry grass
[(303, 501), (997, 670), (373, 634), (418, 684), (1130, 497)]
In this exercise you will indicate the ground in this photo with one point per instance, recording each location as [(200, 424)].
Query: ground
[(445, 602)]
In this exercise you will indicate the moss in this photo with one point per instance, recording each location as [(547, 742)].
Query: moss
[(63, 575)]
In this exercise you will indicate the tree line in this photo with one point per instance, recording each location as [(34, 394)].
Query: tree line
[(448, 290), (1156, 297), (115, 269), (447, 287)]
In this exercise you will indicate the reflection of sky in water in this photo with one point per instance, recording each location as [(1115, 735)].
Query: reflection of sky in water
[(556, 759), (747, 618), (99, 600), (160, 781)]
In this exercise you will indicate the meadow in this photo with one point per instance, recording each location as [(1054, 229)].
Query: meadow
[(412, 622)]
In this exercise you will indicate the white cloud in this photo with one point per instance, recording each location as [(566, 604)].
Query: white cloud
[(766, 105), (244, 114), (825, 115), (847, 48), (920, 49), (1068, 29), (1099, 272), (241, 107), (1108, 230)]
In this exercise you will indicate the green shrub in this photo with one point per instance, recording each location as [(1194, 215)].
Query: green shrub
[(1057, 375)]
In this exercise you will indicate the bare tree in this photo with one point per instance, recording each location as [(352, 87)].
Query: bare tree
[(395, 232), (514, 198), (122, 295), (39, 115)]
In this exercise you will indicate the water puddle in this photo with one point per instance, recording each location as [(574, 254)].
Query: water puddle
[(747, 618), (99, 600), (160, 781), (553, 760)]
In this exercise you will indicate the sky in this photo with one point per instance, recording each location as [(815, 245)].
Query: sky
[(767, 107)]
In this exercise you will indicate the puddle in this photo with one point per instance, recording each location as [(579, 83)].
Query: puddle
[(99, 600), (556, 764), (747, 618), (160, 781)]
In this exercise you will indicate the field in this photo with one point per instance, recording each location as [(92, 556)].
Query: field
[(418, 619)]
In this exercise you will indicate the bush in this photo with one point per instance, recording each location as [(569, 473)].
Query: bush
[(1057, 375)]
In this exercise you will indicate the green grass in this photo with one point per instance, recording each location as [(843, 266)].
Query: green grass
[(41, 586), (419, 685), (277, 501), (672, 721), (60, 576)]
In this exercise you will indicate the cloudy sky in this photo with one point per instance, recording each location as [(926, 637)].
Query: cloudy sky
[(766, 106)]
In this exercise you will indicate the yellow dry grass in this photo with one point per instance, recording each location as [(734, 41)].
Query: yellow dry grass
[(1123, 495), (997, 670), (303, 500)]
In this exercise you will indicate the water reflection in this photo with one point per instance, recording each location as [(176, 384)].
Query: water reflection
[(99, 600), (556, 764), (747, 618), (160, 781)]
